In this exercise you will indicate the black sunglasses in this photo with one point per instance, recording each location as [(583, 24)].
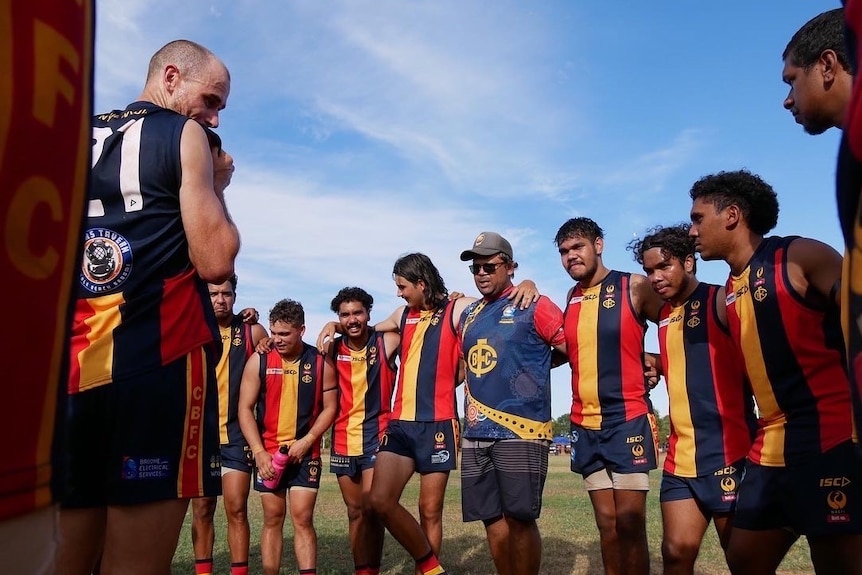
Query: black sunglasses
[(487, 268)]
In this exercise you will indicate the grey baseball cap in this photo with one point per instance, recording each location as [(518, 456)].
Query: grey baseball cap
[(487, 244)]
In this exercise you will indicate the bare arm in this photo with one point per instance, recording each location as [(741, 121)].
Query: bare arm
[(393, 322), (212, 236), (257, 333), (814, 269), (303, 444), (721, 306), (249, 390), (391, 341), (647, 303)]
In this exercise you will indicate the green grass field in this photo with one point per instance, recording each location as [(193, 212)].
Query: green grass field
[(569, 535)]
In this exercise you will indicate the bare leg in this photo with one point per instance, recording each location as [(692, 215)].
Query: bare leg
[(836, 554), (432, 490), (684, 525), (525, 546), (82, 537), (203, 531), (630, 508), (351, 492), (386, 490), (604, 509), (142, 539), (235, 486), (271, 534), (757, 552), (497, 533), (302, 502)]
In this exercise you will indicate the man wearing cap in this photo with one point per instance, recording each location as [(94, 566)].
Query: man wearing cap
[(504, 457)]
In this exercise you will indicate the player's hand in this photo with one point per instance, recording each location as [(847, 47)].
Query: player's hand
[(455, 295), (524, 294), (298, 449), (264, 346), (651, 369), (249, 315), (327, 336), (263, 462)]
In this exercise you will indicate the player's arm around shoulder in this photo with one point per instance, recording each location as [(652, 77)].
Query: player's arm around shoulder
[(458, 310), (391, 323), (391, 341), (213, 238), (814, 269), (258, 332), (548, 321), (646, 301)]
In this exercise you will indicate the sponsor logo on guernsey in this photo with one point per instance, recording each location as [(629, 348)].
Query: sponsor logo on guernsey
[(441, 456), (342, 357), (274, 371), (728, 488), (834, 482), (142, 468), (664, 323), (837, 502), (107, 261), (508, 315), (412, 320)]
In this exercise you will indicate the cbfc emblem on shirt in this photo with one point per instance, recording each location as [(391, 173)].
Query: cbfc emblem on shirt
[(481, 358), (609, 301), (435, 319), (693, 320), (237, 340), (760, 292), (306, 373)]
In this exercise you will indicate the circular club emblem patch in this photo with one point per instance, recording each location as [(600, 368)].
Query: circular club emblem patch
[(107, 260)]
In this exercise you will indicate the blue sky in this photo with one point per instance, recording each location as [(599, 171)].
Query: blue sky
[(365, 129)]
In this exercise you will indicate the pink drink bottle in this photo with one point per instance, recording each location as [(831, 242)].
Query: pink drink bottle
[(279, 462)]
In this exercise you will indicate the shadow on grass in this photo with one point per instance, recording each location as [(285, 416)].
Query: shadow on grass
[(464, 555)]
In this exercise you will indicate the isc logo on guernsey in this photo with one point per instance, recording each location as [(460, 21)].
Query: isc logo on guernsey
[(834, 482)]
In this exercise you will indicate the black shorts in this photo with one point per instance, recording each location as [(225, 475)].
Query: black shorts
[(237, 456), (715, 493), (626, 448), (351, 465), (503, 477), (305, 474), (147, 438), (821, 497), (433, 445)]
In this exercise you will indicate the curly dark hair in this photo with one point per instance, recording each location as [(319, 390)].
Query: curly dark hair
[(579, 227), (823, 32), (287, 311), (673, 241), (414, 267), (754, 197), (352, 294)]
